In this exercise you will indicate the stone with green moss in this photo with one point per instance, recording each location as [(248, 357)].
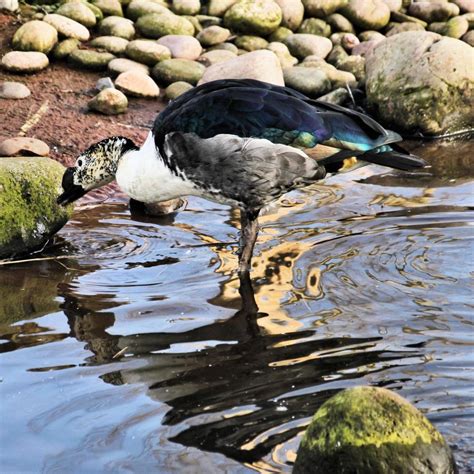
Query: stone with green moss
[(254, 17), (156, 25), (371, 429), (112, 44), (29, 215), (117, 26), (89, 59), (186, 7), (138, 8), (421, 94), (280, 34), (315, 26), (79, 12), (174, 70), (35, 36), (109, 7), (337, 22), (64, 48), (251, 43), (176, 89), (322, 8)]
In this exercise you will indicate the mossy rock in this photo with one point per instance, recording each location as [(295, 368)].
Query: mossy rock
[(156, 25), (29, 215), (35, 36), (251, 43), (89, 59), (117, 26), (253, 17), (79, 12), (111, 44), (176, 89), (280, 34), (372, 430), (174, 70), (64, 48), (109, 7), (147, 52), (138, 8), (315, 26)]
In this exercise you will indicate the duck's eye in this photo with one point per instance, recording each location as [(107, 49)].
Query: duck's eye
[(79, 162)]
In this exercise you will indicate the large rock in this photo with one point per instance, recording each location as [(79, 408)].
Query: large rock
[(323, 8), (137, 84), (156, 25), (25, 61), (147, 52), (372, 430), (18, 146), (117, 26), (182, 46), (29, 215), (261, 65), (67, 27), (174, 70), (292, 12), (89, 59), (35, 36), (367, 14), (109, 101), (422, 81), (302, 45), (254, 17), (78, 12)]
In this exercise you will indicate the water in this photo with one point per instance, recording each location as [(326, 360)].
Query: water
[(136, 353)]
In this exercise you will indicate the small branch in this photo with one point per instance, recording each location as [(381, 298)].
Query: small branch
[(39, 259)]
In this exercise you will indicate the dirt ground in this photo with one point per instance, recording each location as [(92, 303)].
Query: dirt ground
[(60, 93)]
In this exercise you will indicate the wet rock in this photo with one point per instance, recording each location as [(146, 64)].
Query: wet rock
[(323, 8), (186, 7), (310, 81), (214, 57), (10, 5), (251, 43), (432, 92), (19, 146), (176, 89), (402, 27), (337, 96), (280, 34), (109, 102), (112, 44), (219, 7), (213, 35), (430, 12), (109, 7), (147, 52), (138, 8), (25, 61), (454, 28), (469, 38), (104, 83), (181, 46), (292, 12), (367, 14), (67, 27), (261, 65), (119, 65), (283, 54), (156, 25), (371, 426), (337, 22), (137, 84), (78, 12), (64, 48), (89, 59), (353, 64), (13, 90), (253, 17), (29, 215), (466, 6), (117, 26), (225, 46), (302, 45), (315, 26), (35, 36), (174, 70)]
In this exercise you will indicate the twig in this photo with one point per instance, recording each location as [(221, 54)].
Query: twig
[(121, 352), (34, 119), (12, 262)]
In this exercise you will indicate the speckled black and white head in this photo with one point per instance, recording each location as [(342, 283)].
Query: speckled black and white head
[(94, 168)]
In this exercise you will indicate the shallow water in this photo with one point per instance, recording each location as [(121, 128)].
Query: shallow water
[(137, 354)]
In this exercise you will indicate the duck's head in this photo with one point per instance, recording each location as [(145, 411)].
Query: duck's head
[(94, 168)]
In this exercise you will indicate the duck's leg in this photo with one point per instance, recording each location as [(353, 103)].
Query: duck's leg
[(248, 237)]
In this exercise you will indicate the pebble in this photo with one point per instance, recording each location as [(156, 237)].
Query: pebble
[(283, 54), (367, 14), (216, 56), (109, 102), (219, 7), (117, 26), (337, 22), (13, 90), (302, 45), (213, 35), (292, 13), (315, 26), (64, 48), (90, 59), (67, 27), (322, 8), (10, 5), (138, 84), (25, 61), (431, 12), (186, 7), (156, 25), (111, 44), (251, 43), (78, 12), (35, 36), (261, 65), (173, 70), (147, 52), (138, 8), (109, 7), (182, 46), (104, 83), (310, 81), (20, 146), (119, 65), (176, 89)]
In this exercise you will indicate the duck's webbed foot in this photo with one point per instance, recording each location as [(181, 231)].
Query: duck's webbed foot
[(248, 237)]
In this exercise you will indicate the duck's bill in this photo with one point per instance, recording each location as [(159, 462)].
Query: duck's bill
[(72, 192)]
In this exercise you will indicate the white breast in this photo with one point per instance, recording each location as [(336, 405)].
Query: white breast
[(143, 176)]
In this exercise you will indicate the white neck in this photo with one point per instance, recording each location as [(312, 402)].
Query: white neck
[(143, 175)]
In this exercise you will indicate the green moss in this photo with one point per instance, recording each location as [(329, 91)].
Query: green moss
[(29, 214)]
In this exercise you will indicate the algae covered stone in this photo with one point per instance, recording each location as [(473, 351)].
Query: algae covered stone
[(112, 44), (176, 89), (147, 52), (254, 17), (322, 8), (117, 26), (310, 81), (421, 81), (29, 215), (174, 70), (109, 7), (67, 27), (138, 8), (64, 48), (90, 59), (109, 101), (79, 12), (371, 429), (156, 25), (35, 36), (367, 14)]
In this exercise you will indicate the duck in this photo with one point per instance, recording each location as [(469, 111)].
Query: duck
[(239, 142)]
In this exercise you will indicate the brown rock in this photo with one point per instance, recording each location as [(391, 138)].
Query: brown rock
[(19, 146), (137, 84)]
